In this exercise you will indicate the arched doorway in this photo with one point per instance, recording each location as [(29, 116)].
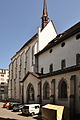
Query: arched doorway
[(30, 93), (46, 91)]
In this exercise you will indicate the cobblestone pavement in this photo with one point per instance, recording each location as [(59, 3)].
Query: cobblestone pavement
[(9, 115)]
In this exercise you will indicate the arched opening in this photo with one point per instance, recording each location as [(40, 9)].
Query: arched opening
[(62, 90), (46, 90), (30, 93)]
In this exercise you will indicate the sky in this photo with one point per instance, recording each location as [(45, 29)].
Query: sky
[(20, 19)]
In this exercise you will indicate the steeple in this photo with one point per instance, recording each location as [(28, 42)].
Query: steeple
[(45, 18)]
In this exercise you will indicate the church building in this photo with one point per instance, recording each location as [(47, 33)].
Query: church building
[(24, 60), (47, 68)]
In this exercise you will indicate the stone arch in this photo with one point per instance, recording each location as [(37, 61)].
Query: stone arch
[(62, 89), (30, 93), (46, 90)]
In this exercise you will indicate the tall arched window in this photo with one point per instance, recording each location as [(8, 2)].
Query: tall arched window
[(46, 90), (30, 92), (62, 90), (52, 87)]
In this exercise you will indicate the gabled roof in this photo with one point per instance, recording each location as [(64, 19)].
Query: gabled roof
[(61, 37), (32, 73)]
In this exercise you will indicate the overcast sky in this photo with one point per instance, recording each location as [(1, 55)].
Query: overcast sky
[(20, 19)]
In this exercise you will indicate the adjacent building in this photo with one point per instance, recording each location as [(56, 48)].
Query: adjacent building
[(4, 78)]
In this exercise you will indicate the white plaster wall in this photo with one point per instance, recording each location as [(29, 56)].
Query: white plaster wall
[(46, 35), (68, 52), (4, 78)]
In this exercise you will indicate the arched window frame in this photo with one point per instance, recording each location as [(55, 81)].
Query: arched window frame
[(46, 91), (62, 90), (53, 87), (30, 92)]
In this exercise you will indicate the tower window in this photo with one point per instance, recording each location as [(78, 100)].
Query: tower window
[(78, 59), (63, 64)]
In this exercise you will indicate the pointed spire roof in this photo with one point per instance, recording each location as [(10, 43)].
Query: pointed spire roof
[(45, 19), (45, 13)]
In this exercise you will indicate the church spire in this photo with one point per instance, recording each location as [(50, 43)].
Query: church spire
[(44, 15)]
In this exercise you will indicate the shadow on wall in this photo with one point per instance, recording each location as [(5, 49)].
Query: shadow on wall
[(6, 118)]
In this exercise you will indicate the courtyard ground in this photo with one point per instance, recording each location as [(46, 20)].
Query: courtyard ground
[(9, 115)]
